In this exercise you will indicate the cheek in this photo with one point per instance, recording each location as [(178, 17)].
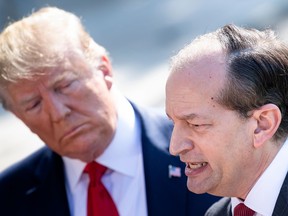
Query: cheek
[(93, 98), (220, 143), (232, 147), (34, 124), (44, 131), (40, 127)]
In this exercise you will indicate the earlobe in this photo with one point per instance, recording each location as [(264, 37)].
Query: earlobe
[(268, 120), (108, 80)]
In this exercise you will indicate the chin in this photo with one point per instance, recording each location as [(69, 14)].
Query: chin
[(197, 189)]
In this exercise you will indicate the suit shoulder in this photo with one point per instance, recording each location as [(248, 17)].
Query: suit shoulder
[(24, 168), (154, 120), (220, 208)]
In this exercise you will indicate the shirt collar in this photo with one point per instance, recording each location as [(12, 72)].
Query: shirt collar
[(122, 153), (262, 198)]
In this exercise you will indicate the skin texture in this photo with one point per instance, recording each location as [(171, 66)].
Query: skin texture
[(70, 107), (225, 153)]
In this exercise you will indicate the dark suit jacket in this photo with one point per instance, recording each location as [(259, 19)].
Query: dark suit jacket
[(35, 186), (223, 207)]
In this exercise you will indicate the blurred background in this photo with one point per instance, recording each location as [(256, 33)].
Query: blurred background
[(141, 36)]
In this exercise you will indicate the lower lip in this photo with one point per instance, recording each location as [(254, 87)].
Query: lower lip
[(194, 172), (78, 129)]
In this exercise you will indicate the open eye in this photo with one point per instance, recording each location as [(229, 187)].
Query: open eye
[(198, 127), (194, 125)]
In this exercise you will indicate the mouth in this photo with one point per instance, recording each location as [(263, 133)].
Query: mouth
[(72, 132), (194, 169), (196, 165)]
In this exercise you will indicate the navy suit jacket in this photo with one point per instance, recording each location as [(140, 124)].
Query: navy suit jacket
[(35, 186), (224, 208)]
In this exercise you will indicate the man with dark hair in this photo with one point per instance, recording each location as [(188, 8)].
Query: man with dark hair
[(227, 95)]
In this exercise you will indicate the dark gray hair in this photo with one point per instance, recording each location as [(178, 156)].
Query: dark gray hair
[(257, 64)]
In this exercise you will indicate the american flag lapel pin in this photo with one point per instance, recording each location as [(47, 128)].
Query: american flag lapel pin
[(174, 171)]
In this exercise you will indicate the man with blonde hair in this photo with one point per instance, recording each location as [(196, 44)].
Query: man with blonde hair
[(104, 155)]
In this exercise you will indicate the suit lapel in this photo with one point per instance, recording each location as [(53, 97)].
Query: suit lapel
[(159, 189), (48, 195), (164, 195)]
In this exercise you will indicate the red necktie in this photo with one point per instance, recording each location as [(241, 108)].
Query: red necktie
[(99, 201), (242, 210)]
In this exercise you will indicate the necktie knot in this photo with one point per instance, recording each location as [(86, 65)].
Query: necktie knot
[(95, 172), (243, 210)]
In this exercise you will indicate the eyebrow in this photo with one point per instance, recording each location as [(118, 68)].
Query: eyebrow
[(192, 116), (188, 116), (28, 99), (60, 77)]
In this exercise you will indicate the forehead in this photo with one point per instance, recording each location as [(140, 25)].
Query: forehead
[(68, 66), (28, 87), (46, 78), (196, 80)]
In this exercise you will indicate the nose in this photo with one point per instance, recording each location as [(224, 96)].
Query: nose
[(180, 142), (57, 108)]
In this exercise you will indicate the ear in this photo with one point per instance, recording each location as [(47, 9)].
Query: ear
[(106, 68), (268, 120)]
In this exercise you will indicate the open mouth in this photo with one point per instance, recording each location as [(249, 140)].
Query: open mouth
[(196, 165)]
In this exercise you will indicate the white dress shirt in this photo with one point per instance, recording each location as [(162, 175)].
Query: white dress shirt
[(124, 178), (263, 196)]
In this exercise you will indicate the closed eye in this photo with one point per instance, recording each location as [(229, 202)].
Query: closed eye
[(33, 105), (66, 87)]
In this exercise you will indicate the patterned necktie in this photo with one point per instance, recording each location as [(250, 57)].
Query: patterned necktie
[(99, 201), (242, 210)]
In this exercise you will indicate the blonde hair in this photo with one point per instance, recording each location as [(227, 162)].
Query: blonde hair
[(43, 40)]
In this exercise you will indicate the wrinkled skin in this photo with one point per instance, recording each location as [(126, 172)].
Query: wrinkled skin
[(70, 108), (224, 153)]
